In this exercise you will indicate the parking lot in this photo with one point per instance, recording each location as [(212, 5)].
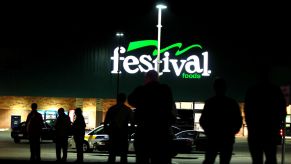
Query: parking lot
[(11, 151)]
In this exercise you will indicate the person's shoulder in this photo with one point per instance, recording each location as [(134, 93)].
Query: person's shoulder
[(139, 87), (39, 114), (165, 86), (29, 114), (136, 90), (67, 116), (111, 108), (126, 107), (232, 100), (210, 99)]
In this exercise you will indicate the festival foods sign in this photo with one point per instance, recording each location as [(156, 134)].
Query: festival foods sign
[(188, 66)]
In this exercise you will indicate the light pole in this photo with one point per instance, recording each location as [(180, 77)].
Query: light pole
[(159, 7), (119, 35)]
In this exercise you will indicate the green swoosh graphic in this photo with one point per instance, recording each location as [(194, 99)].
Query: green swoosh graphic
[(146, 43), (141, 44)]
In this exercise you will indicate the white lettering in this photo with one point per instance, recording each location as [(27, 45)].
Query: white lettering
[(194, 62), (144, 63), (130, 61), (166, 62), (116, 59), (206, 72), (177, 69), (145, 59)]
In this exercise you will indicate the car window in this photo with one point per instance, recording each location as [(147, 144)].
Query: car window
[(22, 124), (187, 134), (175, 129), (98, 130), (46, 125), (50, 122), (201, 135)]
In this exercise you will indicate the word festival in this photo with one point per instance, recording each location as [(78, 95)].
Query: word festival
[(188, 68)]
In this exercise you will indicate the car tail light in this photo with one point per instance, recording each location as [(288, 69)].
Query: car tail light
[(281, 132)]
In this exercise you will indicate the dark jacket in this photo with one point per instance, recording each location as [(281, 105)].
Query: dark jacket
[(34, 124), (221, 117), (78, 127), (265, 110), (63, 126)]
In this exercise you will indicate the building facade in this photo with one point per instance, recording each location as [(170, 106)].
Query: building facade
[(88, 77)]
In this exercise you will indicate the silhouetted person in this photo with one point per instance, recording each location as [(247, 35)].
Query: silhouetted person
[(34, 124), (154, 115), (62, 126), (221, 119), (117, 120), (265, 110), (78, 129)]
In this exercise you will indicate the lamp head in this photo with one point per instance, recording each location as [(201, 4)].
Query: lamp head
[(161, 6), (119, 34)]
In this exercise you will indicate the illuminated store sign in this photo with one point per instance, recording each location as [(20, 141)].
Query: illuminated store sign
[(191, 66)]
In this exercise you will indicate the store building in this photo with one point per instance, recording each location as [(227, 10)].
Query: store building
[(87, 77)]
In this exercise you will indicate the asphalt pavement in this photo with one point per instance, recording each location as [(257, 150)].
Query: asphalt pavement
[(20, 154)]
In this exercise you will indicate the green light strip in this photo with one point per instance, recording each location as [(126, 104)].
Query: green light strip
[(146, 43)]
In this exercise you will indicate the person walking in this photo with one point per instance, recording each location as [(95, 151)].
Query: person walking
[(154, 114), (62, 127), (265, 111), (34, 124), (221, 119), (117, 121), (78, 129)]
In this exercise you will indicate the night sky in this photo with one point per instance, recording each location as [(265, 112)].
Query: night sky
[(235, 28), (239, 36)]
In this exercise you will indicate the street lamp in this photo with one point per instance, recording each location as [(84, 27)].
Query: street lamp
[(159, 7), (118, 35)]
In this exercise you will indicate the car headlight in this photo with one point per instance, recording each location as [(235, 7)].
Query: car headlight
[(100, 143)]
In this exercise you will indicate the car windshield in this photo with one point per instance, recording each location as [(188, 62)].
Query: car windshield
[(50, 122), (187, 134), (97, 130)]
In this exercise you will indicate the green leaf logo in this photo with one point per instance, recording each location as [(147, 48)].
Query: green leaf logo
[(147, 43)]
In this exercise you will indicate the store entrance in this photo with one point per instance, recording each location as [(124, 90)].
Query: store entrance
[(185, 119)]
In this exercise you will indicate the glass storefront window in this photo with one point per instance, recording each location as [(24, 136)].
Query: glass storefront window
[(178, 105), (186, 105), (198, 105)]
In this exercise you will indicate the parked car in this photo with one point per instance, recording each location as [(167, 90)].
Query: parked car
[(102, 144), (176, 129), (92, 136), (19, 133), (180, 145), (198, 139)]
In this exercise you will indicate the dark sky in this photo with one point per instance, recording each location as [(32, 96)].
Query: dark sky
[(76, 23), (235, 29)]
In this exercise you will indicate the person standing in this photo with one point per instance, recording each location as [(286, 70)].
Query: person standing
[(34, 124), (221, 119), (62, 126), (117, 121), (154, 114), (78, 129), (265, 111)]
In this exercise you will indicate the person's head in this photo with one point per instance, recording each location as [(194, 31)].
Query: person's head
[(151, 76), (219, 86), (61, 111), (78, 111), (121, 98), (33, 106)]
